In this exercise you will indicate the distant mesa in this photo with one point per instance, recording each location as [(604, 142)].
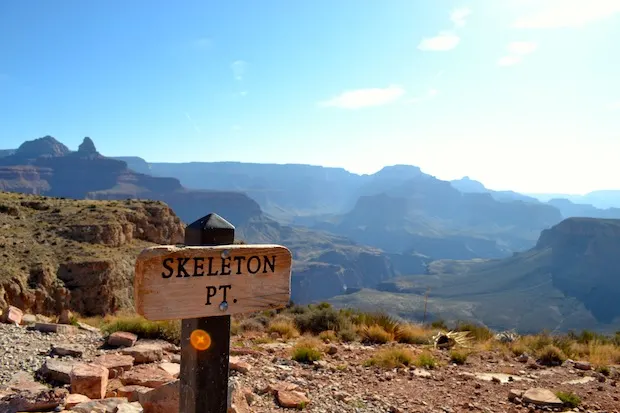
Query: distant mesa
[(88, 147), (45, 146)]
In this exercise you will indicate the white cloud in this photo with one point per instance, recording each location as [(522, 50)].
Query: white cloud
[(458, 16), (446, 40), (361, 98), (615, 105), (509, 60), (431, 93), (239, 67), (517, 50), (569, 13), (441, 43), (522, 48)]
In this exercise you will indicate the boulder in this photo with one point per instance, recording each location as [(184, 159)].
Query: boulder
[(147, 375), (12, 315), (90, 380), (100, 406), (33, 401), (542, 397), (173, 369), (144, 353), (236, 364), (132, 392), (65, 317), (55, 370), (122, 339), (55, 328), (75, 399), (71, 350), (115, 363), (164, 399)]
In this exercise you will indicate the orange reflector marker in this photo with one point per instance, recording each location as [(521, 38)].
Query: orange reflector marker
[(200, 339)]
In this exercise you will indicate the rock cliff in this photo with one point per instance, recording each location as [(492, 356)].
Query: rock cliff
[(57, 254)]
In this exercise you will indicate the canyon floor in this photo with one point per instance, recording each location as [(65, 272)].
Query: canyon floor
[(39, 371)]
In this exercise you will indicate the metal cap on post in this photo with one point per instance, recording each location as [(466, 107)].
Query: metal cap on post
[(211, 229), (204, 371)]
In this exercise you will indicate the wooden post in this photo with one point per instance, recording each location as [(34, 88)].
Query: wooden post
[(204, 372)]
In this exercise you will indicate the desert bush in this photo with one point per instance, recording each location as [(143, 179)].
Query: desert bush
[(307, 350), (412, 334), (375, 334), (569, 399), (347, 334), (143, 328), (251, 324), (319, 319), (384, 320), (328, 336), (439, 325), (458, 357), (518, 348), (425, 360), (284, 327), (476, 331), (390, 358), (550, 355)]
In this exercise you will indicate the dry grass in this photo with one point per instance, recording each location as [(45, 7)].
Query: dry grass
[(143, 328), (307, 349), (283, 326), (375, 334), (412, 334), (390, 358)]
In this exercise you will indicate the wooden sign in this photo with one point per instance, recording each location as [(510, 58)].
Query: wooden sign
[(191, 282)]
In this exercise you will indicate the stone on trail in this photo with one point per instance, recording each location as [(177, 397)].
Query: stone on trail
[(33, 401), (173, 369), (115, 363), (75, 399), (122, 339), (55, 328), (164, 399), (236, 364), (55, 370), (65, 317), (133, 407), (582, 365), (542, 397), (292, 399), (100, 406), (144, 353), (90, 380), (71, 350), (132, 392), (147, 375), (12, 315)]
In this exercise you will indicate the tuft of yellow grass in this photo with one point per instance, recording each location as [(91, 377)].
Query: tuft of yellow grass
[(390, 358), (285, 327), (407, 333), (375, 334)]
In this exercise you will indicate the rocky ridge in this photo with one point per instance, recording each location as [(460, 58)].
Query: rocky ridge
[(85, 370)]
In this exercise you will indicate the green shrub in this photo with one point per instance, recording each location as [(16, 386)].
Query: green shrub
[(328, 336), (143, 328), (251, 324), (425, 360), (307, 350), (569, 399), (390, 358), (347, 335), (458, 357), (318, 320), (476, 331), (550, 355)]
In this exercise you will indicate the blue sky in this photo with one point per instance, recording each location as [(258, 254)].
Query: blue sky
[(519, 94)]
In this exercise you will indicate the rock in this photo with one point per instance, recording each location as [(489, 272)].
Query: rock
[(55, 328), (173, 369), (292, 399), (147, 375), (90, 380), (65, 317), (132, 392), (55, 370), (236, 364), (100, 406), (164, 399), (89, 328), (75, 399), (542, 397), (12, 315), (24, 382), (29, 319), (33, 401), (523, 358), (122, 339), (113, 386), (71, 350), (515, 394), (331, 350), (133, 407), (115, 363), (175, 358), (144, 353), (582, 365)]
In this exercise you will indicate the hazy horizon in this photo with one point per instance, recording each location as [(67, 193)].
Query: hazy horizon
[(520, 95)]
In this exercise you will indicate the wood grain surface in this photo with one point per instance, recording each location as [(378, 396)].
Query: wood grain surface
[(174, 282)]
